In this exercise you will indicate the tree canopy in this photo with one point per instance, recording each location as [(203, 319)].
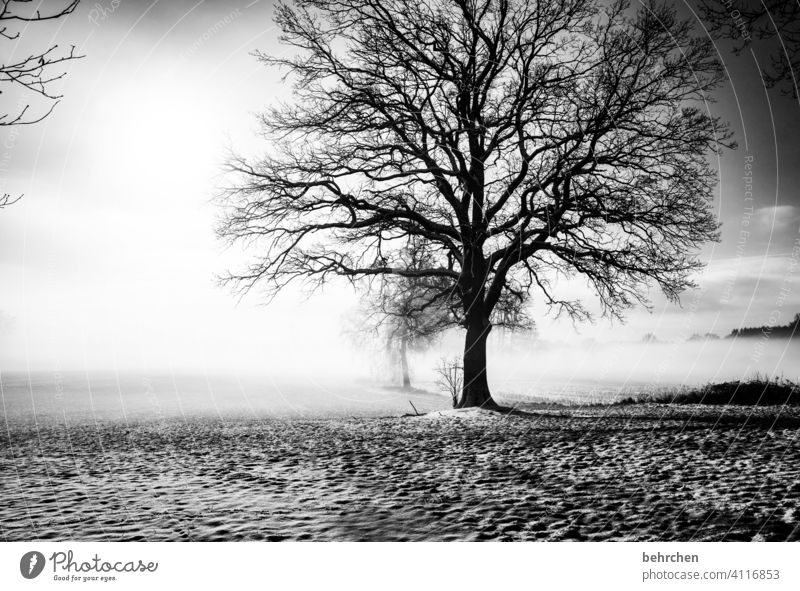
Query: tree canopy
[(35, 72), (31, 74), (523, 141), (744, 21)]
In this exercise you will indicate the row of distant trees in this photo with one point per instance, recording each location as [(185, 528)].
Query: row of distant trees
[(786, 331)]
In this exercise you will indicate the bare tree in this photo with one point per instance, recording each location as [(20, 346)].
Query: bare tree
[(409, 312), (451, 378), (523, 141), (745, 20), (30, 73), (6, 200)]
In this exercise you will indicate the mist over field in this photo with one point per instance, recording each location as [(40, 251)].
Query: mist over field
[(600, 371), (520, 369)]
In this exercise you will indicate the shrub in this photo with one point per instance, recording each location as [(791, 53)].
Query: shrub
[(451, 377)]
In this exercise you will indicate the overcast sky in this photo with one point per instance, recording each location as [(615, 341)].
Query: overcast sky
[(109, 260)]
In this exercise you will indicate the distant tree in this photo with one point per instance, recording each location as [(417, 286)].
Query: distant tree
[(32, 73), (412, 313), (649, 338), (709, 336), (408, 312), (745, 20), (524, 141), (6, 322)]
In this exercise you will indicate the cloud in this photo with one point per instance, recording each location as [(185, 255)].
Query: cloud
[(746, 291), (777, 218)]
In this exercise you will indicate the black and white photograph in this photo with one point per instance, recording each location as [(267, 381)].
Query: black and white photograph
[(398, 271)]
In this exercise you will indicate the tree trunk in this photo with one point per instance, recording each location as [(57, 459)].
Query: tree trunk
[(404, 362), (476, 386)]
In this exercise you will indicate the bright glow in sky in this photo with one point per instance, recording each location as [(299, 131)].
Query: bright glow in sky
[(110, 259)]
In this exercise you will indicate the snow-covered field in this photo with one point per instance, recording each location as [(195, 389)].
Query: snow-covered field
[(636, 472)]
